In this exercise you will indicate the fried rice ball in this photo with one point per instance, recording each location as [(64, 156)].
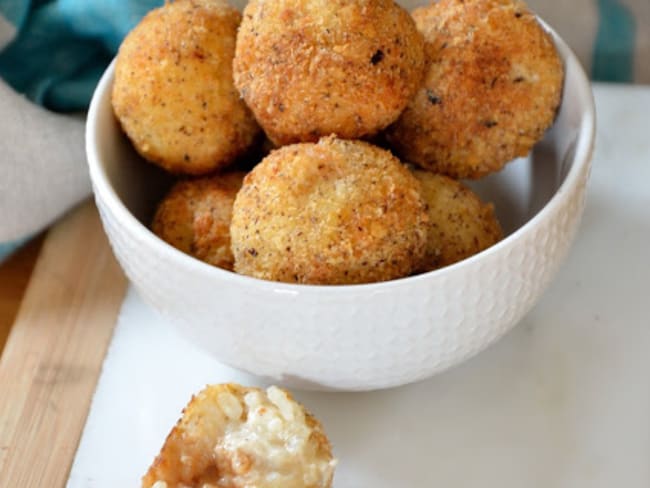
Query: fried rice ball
[(235, 437), (195, 217), (332, 212), (313, 68), (173, 92), (493, 83), (460, 224)]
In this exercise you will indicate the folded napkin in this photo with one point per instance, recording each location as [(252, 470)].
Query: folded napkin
[(52, 53)]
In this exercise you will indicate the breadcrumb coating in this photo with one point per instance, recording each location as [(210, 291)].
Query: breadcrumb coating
[(311, 68), (460, 224), (332, 212), (195, 216), (173, 92), (493, 83)]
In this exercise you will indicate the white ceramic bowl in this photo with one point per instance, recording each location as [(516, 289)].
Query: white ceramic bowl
[(363, 336)]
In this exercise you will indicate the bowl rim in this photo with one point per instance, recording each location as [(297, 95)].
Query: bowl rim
[(582, 158)]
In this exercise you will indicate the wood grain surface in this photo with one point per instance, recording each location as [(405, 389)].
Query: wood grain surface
[(14, 276), (54, 352)]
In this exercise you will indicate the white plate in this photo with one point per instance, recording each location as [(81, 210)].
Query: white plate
[(562, 401)]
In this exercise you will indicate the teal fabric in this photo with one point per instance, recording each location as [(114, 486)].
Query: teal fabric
[(15, 11), (613, 55), (63, 46)]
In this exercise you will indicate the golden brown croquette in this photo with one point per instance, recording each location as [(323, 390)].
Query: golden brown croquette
[(332, 212), (493, 83), (311, 68), (173, 91), (231, 436), (195, 217), (460, 225)]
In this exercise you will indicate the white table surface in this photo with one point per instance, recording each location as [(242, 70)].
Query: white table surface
[(562, 401)]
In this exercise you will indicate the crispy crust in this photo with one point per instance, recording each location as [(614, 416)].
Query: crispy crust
[(314, 68), (492, 87), (188, 458), (173, 92), (460, 225), (335, 212), (195, 215)]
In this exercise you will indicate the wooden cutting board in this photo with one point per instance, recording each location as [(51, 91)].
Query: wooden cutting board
[(54, 351)]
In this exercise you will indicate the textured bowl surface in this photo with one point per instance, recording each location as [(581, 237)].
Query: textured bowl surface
[(364, 336)]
